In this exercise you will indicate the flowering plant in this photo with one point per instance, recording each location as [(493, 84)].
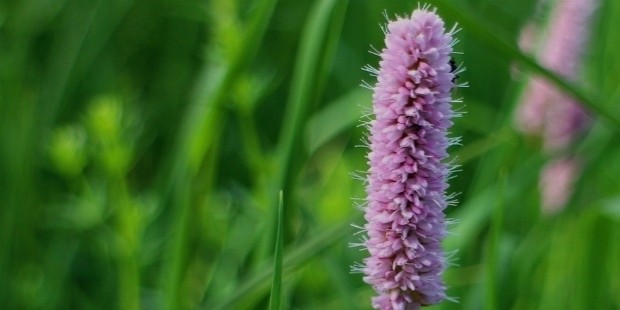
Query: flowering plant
[(407, 179)]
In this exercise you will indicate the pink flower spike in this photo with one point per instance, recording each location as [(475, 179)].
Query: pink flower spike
[(407, 178), (556, 183), (544, 110)]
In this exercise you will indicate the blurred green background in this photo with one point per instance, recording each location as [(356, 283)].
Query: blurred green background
[(143, 145)]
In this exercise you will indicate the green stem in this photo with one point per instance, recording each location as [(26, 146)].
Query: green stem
[(275, 300), (127, 247)]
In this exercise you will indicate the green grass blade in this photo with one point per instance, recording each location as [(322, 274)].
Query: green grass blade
[(303, 91), (302, 86), (336, 117), (203, 115), (198, 135), (257, 285), (493, 248), (474, 213), (275, 301)]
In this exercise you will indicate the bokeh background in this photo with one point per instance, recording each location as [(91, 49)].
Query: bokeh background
[(143, 145)]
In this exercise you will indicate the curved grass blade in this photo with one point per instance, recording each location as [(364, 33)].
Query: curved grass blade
[(257, 285), (343, 113), (305, 79)]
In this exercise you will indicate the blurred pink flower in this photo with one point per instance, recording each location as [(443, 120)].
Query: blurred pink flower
[(556, 183), (527, 37), (407, 176), (544, 110)]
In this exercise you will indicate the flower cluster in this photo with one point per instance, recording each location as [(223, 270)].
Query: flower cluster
[(407, 178), (548, 112)]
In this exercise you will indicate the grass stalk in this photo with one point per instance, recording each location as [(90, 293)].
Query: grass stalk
[(257, 285), (275, 300), (303, 91)]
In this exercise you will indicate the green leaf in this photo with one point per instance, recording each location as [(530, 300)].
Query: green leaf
[(339, 115)]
